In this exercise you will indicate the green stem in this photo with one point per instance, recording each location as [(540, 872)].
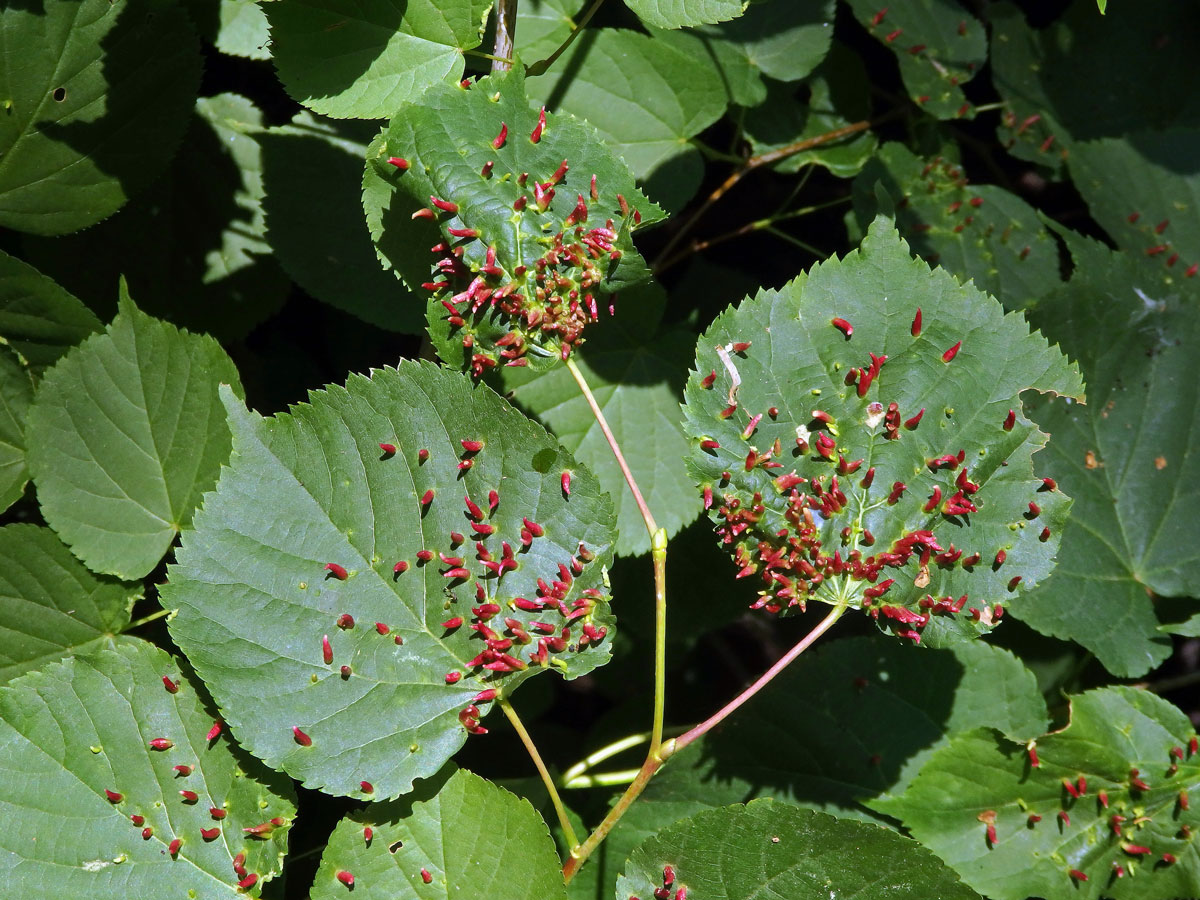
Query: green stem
[(754, 162), (658, 542), (540, 67), (651, 526), (555, 800), (601, 779), (506, 61), (659, 553), (655, 760), (153, 617), (604, 753)]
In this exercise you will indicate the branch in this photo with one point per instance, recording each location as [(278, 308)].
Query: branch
[(755, 162), (651, 526), (506, 34)]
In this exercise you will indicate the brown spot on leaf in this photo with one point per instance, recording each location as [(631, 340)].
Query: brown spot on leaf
[(1090, 461), (1160, 462)]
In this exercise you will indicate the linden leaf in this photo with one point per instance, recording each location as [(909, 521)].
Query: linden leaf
[(858, 452), (939, 46), (124, 436), (646, 96), (318, 234), (1127, 458), (202, 261), (361, 575), (16, 395), (243, 29), (362, 60), (50, 605), (977, 232), (1108, 800), (542, 25), (100, 742), (530, 221), (39, 319), (1144, 189), (471, 838), (768, 848), (837, 94), (1058, 82), (95, 108), (685, 13)]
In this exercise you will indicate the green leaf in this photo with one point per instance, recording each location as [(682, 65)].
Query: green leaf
[(38, 319), (646, 96), (473, 838), (781, 39), (308, 489), (636, 373), (977, 232), (1085, 77), (352, 60), (1126, 458), (124, 435), (1144, 189), (50, 605), (837, 96), (1116, 735), (192, 250), (774, 849), (93, 109), (16, 395), (542, 26), (447, 143), (76, 729), (243, 29), (685, 13), (792, 364), (881, 710), (938, 45), (318, 234)]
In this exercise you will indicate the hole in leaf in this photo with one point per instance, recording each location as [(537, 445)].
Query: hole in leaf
[(60, 94)]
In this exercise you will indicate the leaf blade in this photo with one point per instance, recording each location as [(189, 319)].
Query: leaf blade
[(255, 630), (124, 436)]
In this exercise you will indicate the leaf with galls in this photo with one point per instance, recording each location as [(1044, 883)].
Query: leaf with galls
[(520, 235), (1101, 808), (326, 590), (887, 468), (95, 808)]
